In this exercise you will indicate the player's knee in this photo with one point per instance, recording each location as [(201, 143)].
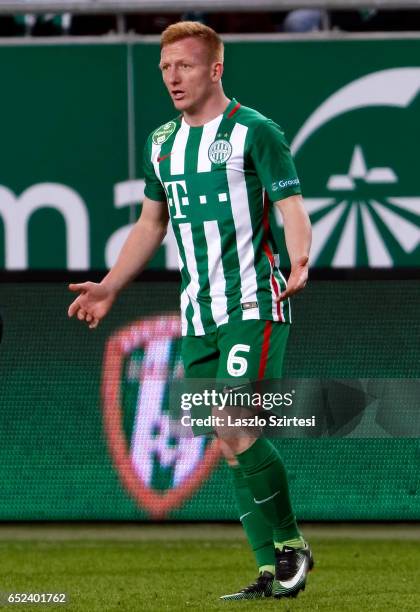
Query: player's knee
[(233, 446), (231, 462), (227, 452)]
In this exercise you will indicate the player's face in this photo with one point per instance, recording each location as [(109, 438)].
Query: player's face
[(188, 73)]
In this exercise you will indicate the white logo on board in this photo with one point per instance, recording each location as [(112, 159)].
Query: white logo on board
[(353, 217)]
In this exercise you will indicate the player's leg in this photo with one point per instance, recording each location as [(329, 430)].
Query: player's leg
[(200, 356), (258, 532), (243, 340), (266, 477), (261, 346), (255, 350)]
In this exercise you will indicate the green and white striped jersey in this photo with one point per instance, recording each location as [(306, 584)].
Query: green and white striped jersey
[(218, 180)]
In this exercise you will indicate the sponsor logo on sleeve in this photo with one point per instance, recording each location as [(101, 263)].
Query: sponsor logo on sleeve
[(283, 183)]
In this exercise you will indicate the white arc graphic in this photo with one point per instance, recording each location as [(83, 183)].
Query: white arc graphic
[(394, 87)]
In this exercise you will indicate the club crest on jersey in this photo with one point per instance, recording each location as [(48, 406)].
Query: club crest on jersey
[(220, 151), (162, 134)]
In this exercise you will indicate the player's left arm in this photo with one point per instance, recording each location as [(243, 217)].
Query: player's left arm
[(298, 236), (270, 152)]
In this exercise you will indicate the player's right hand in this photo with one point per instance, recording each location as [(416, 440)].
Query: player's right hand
[(93, 302)]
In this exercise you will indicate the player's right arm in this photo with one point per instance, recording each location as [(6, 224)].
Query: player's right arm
[(95, 299)]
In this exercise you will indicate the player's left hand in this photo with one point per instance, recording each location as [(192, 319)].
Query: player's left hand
[(297, 279)]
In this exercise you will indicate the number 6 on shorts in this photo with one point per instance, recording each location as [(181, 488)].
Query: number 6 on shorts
[(236, 365)]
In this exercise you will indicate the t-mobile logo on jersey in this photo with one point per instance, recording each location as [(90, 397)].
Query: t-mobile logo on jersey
[(177, 196)]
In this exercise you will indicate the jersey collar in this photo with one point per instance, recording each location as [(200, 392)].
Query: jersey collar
[(232, 108), (229, 111)]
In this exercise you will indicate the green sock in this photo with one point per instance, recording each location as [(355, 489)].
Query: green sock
[(258, 532), (266, 478), (294, 543)]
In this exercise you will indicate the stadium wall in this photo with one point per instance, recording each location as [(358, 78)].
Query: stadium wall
[(75, 118)]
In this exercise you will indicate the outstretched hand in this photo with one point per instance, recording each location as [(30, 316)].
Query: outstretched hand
[(297, 279), (93, 302)]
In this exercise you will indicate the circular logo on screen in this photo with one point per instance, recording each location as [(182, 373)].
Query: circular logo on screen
[(162, 134), (220, 151)]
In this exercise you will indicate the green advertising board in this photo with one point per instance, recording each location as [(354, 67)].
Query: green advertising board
[(76, 116), (85, 434)]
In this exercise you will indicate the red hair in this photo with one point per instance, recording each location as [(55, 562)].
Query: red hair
[(194, 29)]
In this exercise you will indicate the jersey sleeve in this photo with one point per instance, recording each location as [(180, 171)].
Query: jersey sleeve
[(153, 188), (273, 161)]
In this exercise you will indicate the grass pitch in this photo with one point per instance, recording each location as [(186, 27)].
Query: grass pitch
[(187, 567)]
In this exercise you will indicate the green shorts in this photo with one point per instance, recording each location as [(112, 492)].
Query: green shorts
[(238, 352), (250, 349)]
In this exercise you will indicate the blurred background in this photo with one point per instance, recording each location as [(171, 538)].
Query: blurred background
[(84, 423), (102, 17)]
